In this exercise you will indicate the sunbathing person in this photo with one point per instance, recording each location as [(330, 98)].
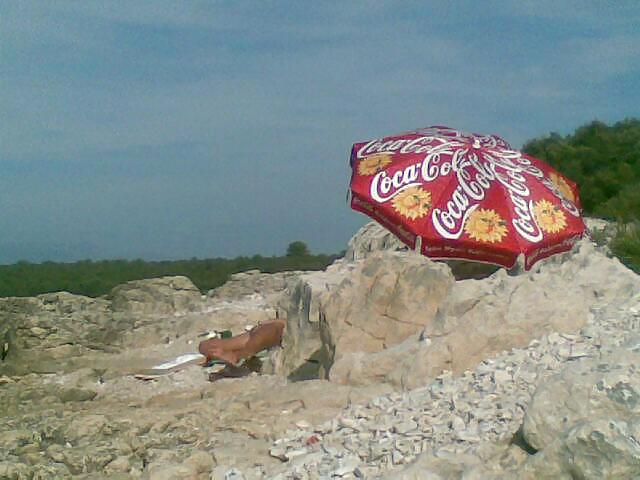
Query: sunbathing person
[(232, 350)]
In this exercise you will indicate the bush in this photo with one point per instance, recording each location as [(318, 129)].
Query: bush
[(605, 163), (626, 245)]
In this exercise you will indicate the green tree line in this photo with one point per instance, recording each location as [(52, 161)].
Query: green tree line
[(604, 160), (95, 278)]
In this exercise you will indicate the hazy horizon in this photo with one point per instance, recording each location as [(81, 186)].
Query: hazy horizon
[(164, 131)]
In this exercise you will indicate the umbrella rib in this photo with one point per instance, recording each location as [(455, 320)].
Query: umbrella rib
[(512, 210)]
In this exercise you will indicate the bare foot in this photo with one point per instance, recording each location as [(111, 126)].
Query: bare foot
[(207, 347)]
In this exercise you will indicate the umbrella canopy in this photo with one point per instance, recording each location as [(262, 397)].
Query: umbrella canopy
[(452, 194)]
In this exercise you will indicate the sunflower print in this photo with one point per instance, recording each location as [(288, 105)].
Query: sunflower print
[(550, 217), (562, 186), (372, 164), (485, 225), (414, 202)]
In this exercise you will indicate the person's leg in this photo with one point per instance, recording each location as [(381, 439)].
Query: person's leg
[(207, 347), (265, 335)]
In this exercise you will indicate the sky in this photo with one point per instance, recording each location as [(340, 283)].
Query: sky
[(169, 130)]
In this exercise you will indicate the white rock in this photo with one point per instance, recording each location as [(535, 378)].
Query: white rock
[(279, 452), (299, 452), (502, 376), (405, 426), (457, 424)]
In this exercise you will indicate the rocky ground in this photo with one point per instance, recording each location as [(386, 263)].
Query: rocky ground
[(393, 366), (474, 424)]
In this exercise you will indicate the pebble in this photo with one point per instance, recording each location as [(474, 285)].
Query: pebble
[(405, 427), (344, 470), (279, 452), (234, 474), (296, 453), (450, 416)]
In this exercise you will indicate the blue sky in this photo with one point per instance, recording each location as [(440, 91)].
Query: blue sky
[(167, 130)]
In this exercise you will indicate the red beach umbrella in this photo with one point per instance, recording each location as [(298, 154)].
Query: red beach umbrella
[(452, 194)]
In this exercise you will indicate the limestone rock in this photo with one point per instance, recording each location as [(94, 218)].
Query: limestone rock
[(499, 340), (77, 395), (302, 355), (201, 462), (354, 308), (87, 426), (385, 299), (171, 472), (602, 448), (42, 333), (492, 463), (479, 319), (372, 238), (607, 387), (120, 464), (253, 282), (585, 420), (475, 321), (164, 295), (601, 232)]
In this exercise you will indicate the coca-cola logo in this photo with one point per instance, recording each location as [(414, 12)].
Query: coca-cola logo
[(428, 139)]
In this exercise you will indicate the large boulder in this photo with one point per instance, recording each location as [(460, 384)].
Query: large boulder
[(164, 295), (373, 237), (595, 448), (363, 306), (387, 298), (302, 355), (40, 334), (55, 331), (603, 387), (586, 420), (253, 282), (399, 318), (477, 320)]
